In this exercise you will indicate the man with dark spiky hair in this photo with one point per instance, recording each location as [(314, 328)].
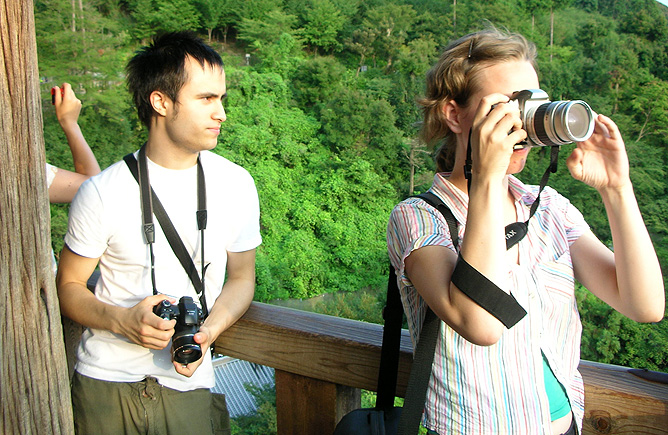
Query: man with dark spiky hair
[(128, 378)]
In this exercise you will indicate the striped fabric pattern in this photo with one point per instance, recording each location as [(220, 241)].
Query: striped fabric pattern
[(499, 389)]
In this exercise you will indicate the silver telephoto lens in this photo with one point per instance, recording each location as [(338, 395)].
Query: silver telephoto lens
[(573, 121), (560, 122)]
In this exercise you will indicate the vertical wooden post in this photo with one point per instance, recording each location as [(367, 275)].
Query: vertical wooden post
[(34, 386), (306, 406)]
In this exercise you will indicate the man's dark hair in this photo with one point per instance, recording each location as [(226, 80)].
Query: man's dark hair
[(161, 67)]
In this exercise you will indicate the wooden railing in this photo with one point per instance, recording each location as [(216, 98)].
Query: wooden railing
[(321, 362)]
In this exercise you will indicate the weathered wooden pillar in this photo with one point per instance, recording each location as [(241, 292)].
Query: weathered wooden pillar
[(34, 386), (307, 406)]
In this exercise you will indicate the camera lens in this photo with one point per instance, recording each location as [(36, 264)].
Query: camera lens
[(560, 122), (573, 121), (185, 350)]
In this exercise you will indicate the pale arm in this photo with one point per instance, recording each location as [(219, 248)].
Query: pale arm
[(137, 323), (629, 279), (430, 268), (66, 183)]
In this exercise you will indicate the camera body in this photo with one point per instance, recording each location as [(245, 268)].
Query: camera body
[(188, 320), (552, 123)]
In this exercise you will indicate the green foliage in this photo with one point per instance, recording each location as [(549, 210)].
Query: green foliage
[(328, 138), (322, 23), (612, 338), (175, 15), (266, 29), (263, 421)]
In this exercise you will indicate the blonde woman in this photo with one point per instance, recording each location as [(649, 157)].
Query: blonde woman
[(487, 377)]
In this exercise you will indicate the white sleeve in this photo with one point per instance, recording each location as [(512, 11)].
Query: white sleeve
[(86, 230), (248, 236)]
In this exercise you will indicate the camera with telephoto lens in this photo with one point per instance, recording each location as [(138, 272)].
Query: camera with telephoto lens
[(552, 123), (188, 319)]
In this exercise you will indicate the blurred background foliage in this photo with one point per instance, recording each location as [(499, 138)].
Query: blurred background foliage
[(321, 111)]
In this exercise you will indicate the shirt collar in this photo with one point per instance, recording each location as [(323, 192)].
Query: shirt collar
[(522, 192), (458, 200), (451, 195)]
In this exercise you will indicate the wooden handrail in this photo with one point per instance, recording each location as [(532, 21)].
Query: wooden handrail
[(321, 362)]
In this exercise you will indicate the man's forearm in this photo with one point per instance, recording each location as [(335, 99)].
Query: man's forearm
[(232, 303)]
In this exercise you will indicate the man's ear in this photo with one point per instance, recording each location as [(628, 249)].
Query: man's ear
[(160, 102), (453, 114)]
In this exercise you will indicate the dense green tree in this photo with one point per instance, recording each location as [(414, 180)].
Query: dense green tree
[(392, 23), (322, 23), (316, 81), (362, 42), (332, 146), (432, 24), (282, 56), (267, 29), (145, 17), (175, 15), (650, 104), (211, 13)]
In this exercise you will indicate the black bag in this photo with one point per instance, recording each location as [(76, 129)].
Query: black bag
[(385, 418), (369, 421)]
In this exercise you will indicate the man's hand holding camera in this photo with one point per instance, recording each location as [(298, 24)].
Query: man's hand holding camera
[(204, 338), (144, 328), (189, 337)]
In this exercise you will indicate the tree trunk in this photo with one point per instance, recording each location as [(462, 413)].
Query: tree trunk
[(411, 159), (74, 17), (642, 133), (551, 32), (34, 392), (82, 25)]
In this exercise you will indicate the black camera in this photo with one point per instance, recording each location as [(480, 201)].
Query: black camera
[(552, 123), (188, 319)]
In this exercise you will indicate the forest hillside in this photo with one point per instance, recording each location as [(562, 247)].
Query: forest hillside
[(321, 110)]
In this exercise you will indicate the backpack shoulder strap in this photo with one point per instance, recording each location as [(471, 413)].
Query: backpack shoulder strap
[(475, 285), (439, 205)]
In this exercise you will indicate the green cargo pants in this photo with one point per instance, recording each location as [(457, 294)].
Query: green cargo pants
[(145, 407)]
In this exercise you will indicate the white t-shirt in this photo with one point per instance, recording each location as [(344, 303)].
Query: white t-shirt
[(50, 174), (105, 221)]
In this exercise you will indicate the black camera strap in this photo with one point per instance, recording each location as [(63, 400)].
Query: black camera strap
[(517, 230), (475, 285), (151, 205)]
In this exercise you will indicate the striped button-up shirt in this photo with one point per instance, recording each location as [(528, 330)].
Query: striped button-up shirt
[(500, 389)]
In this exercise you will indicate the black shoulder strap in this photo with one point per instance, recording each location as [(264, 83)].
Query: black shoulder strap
[(416, 391), (389, 352), (475, 285), (424, 352), (170, 232)]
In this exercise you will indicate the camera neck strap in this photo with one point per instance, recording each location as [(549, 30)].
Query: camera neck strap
[(151, 205), (517, 230)]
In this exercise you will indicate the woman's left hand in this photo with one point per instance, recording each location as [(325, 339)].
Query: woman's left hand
[(601, 161)]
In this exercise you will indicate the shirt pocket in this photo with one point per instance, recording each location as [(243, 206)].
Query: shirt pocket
[(556, 287)]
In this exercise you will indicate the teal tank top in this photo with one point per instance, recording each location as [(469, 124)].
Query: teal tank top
[(559, 405)]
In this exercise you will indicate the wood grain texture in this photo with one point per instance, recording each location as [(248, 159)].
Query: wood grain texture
[(34, 384), (346, 352)]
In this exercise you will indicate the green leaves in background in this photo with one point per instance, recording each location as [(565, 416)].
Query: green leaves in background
[(321, 111)]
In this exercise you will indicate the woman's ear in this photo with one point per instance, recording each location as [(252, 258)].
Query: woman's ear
[(160, 102), (453, 114)]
